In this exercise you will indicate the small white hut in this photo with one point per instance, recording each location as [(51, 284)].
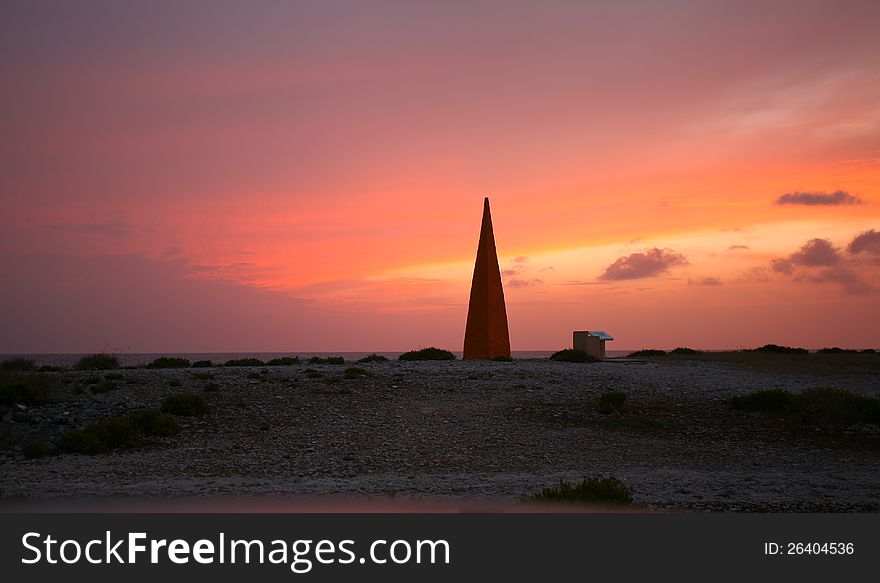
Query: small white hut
[(591, 342)]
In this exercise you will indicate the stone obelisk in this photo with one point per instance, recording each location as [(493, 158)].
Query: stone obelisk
[(486, 334)]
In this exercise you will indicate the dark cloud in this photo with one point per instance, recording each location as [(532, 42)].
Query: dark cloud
[(837, 198), (851, 281), (738, 248), (816, 253), (867, 242), (704, 281), (110, 228), (524, 282), (638, 265), (520, 259), (756, 274), (818, 261), (782, 266), (510, 272)]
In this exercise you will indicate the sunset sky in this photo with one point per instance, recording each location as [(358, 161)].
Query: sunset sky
[(309, 176)]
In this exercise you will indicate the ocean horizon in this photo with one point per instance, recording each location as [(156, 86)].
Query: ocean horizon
[(142, 358)]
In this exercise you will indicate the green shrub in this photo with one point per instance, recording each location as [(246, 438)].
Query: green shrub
[(813, 406), (868, 351), (36, 448), (313, 374), (773, 400), (777, 349), (153, 422), (185, 405), (430, 353), (836, 350), (91, 380), (684, 350), (327, 360), (835, 407), (595, 489), (51, 368), (373, 358), (571, 355), (611, 401), (647, 352), (18, 365), (284, 361), (123, 432), (169, 362), (202, 364), (354, 372), (104, 387), (25, 388), (244, 362), (99, 361), (203, 376)]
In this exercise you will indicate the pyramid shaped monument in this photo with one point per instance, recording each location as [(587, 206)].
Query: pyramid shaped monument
[(486, 334)]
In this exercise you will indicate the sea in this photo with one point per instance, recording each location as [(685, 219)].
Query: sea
[(141, 358)]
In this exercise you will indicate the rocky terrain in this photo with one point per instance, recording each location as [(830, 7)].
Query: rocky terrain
[(459, 430)]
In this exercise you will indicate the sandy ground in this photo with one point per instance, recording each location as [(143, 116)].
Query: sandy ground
[(487, 431)]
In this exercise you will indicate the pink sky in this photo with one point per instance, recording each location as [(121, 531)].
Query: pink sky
[(308, 177)]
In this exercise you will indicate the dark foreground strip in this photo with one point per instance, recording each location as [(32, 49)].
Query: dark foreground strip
[(437, 547)]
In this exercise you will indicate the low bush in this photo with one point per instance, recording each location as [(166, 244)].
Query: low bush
[(202, 364), (354, 372), (203, 376), (594, 489), (869, 351), (684, 351), (175, 383), (836, 350), (813, 406), (185, 405), (430, 353), (313, 374), (327, 360), (18, 365), (114, 376), (25, 388), (284, 361), (835, 407), (169, 362), (122, 432), (153, 422), (36, 448), (51, 368), (777, 349), (100, 361), (571, 355), (244, 362), (373, 358), (103, 387), (647, 352), (773, 400), (211, 388), (611, 401)]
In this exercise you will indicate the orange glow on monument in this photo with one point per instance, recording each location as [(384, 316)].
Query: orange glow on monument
[(486, 334)]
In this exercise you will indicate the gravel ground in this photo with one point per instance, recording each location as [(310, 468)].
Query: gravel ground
[(462, 430)]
